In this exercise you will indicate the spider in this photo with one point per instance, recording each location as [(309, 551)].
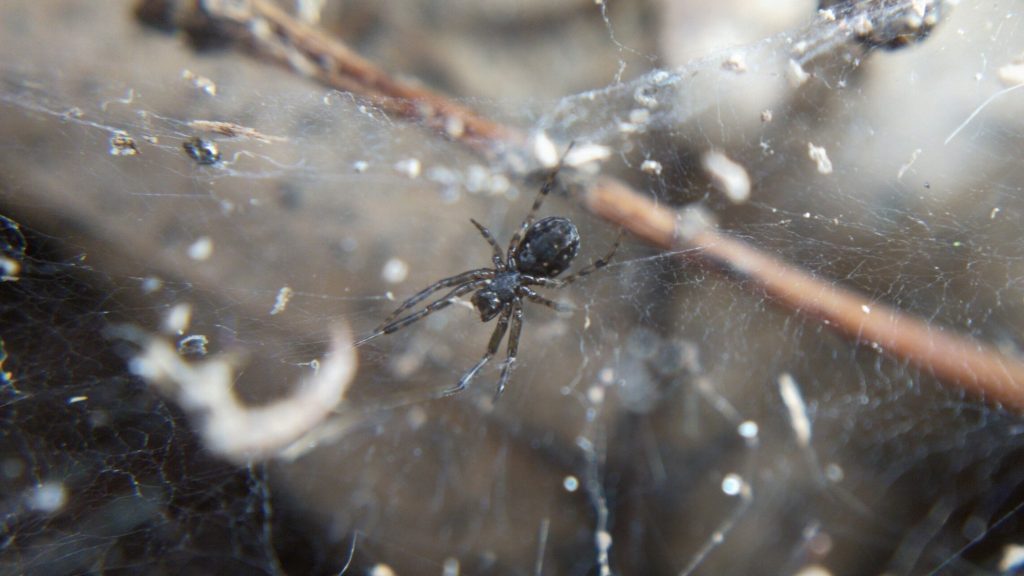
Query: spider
[(538, 252)]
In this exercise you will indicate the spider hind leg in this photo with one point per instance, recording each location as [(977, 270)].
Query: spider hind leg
[(492, 349)]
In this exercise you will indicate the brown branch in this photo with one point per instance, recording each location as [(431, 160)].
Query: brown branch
[(974, 366), (957, 359)]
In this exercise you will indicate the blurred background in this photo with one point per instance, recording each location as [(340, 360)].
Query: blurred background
[(677, 422)]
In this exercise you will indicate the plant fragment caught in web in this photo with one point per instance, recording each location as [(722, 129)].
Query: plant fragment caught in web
[(804, 359)]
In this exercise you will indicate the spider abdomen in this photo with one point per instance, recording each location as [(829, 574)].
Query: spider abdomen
[(548, 247)]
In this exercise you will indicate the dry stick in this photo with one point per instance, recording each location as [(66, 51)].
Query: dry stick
[(974, 366), (333, 63)]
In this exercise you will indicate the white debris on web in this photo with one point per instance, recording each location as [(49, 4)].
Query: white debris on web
[(410, 167), (178, 318), (201, 249), (201, 82), (1012, 558), (395, 271), (450, 567), (545, 151), (587, 155), (903, 169), (814, 570), (240, 433), (284, 296), (652, 167), (794, 401), (48, 497), (9, 269), (1012, 74), (796, 74), (820, 157), (232, 130), (728, 176), (121, 144), (382, 570)]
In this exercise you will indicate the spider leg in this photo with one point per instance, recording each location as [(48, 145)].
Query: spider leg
[(471, 276), (497, 258), (492, 349), (545, 189), (593, 267), (429, 309), (513, 348), (533, 296)]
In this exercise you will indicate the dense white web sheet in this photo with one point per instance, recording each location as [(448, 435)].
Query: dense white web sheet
[(678, 422)]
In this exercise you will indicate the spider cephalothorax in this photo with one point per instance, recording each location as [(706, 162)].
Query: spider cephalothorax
[(539, 251)]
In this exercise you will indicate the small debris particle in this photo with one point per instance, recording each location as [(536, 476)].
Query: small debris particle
[(284, 295), (820, 157), (201, 249), (454, 127), (410, 167), (203, 152), (232, 130), (360, 166), (834, 472), (395, 270), (178, 318), (735, 63), (827, 15), (748, 429), (595, 394), (1012, 559), (606, 376), (416, 417), (732, 484), (201, 82), (865, 308), (382, 570), (639, 116), (77, 399), (545, 151), (151, 284), (766, 116), (800, 48), (603, 539), (570, 483), (794, 402), (905, 167), (48, 497), (1013, 73), (586, 154), (450, 567), (814, 570), (728, 176), (652, 167), (121, 144), (862, 26), (796, 74), (9, 269), (992, 215)]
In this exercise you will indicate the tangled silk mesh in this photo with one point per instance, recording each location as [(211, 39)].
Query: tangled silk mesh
[(678, 422)]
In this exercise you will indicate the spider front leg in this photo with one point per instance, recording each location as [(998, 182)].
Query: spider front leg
[(513, 348), (497, 257), (492, 349), (471, 276), (430, 309), (545, 189)]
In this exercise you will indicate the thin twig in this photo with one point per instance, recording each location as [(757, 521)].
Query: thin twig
[(957, 359)]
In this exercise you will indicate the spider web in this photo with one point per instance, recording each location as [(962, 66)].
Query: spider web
[(678, 422)]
